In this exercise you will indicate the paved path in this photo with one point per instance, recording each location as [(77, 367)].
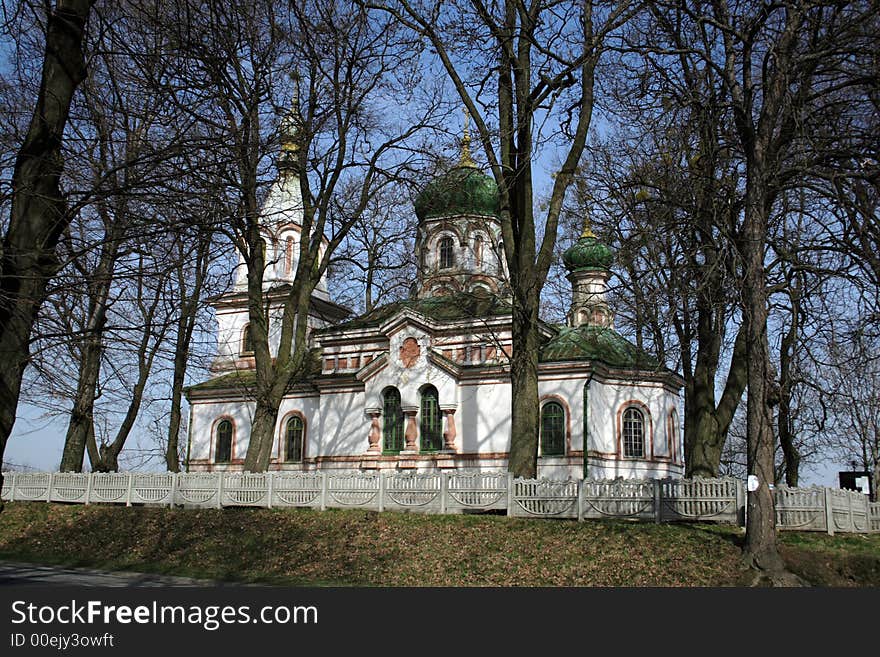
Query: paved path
[(27, 574)]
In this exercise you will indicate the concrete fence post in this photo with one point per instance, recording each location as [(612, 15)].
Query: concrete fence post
[(510, 493), (740, 503), (444, 486), (49, 488), (270, 488), (88, 487), (173, 492), (219, 490), (829, 512), (580, 501), (381, 503), (323, 491), (128, 489), (658, 492), (12, 495)]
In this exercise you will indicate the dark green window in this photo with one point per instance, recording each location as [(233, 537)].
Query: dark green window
[(552, 429), (294, 433), (431, 425), (247, 340), (633, 433), (392, 418), (223, 450)]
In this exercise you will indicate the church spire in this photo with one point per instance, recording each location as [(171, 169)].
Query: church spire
[(291, 131), (466, 159), (588, 230)]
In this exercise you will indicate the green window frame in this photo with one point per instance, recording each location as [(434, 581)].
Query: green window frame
[(223, 445), (633, 433), (552, 429), (294, 435), (431, 424), (392, 421)]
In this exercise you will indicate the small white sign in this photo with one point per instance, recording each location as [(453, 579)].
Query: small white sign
[(752, 483)]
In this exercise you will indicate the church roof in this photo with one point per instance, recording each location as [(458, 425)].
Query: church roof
[(451, 307), (246, 379), (463, 190), (596, 343)]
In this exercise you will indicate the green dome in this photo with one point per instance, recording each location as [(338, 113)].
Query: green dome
[(588, 253), (463, 190), (596, 343)]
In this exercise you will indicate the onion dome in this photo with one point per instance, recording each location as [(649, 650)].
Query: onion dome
[(588, 253), (463, 190)]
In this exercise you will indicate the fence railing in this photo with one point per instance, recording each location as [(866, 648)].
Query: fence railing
[(659, 500)]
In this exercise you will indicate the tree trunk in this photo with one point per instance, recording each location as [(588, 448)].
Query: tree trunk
[(790, 453), (706, 424), (185, 326), (525, 411), (39, 210), (109, 454), (760, 550), (82, 413)]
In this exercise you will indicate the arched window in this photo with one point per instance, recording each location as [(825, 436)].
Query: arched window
[(431, 425), (672, 438), (447, 253), (247, 340), (392, 421), (552, 429), (223, 442), (633, 433), (478, 252), (294, 434), (288, 255)]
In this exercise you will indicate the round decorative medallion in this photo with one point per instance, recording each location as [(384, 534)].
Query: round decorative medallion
[(409, 352)]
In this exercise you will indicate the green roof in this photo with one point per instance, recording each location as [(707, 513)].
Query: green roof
[(446, 308), (596, 343), (463, 190), (247, 379), (588, 253)]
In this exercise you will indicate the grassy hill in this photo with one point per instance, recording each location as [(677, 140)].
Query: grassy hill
[(359, 548)]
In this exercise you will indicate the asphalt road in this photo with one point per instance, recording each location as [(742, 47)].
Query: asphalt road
[(26, 574)]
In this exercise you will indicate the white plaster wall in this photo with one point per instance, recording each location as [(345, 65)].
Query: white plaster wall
[(571, 391), (204, 416), (482, 419), (280, 217), (230, 331), (308, 407), (344, 428)]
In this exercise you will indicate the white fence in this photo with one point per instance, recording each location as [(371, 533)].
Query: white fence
[(667, 500)]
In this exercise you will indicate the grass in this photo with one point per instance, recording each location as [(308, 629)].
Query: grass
[(302, 547)]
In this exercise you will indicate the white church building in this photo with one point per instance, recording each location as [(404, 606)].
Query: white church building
[(424, 383)]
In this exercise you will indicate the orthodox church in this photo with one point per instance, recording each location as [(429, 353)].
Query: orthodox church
[(424, 383)]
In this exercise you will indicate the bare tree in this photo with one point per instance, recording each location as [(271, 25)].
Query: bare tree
[(537, 91), (39, 210)]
